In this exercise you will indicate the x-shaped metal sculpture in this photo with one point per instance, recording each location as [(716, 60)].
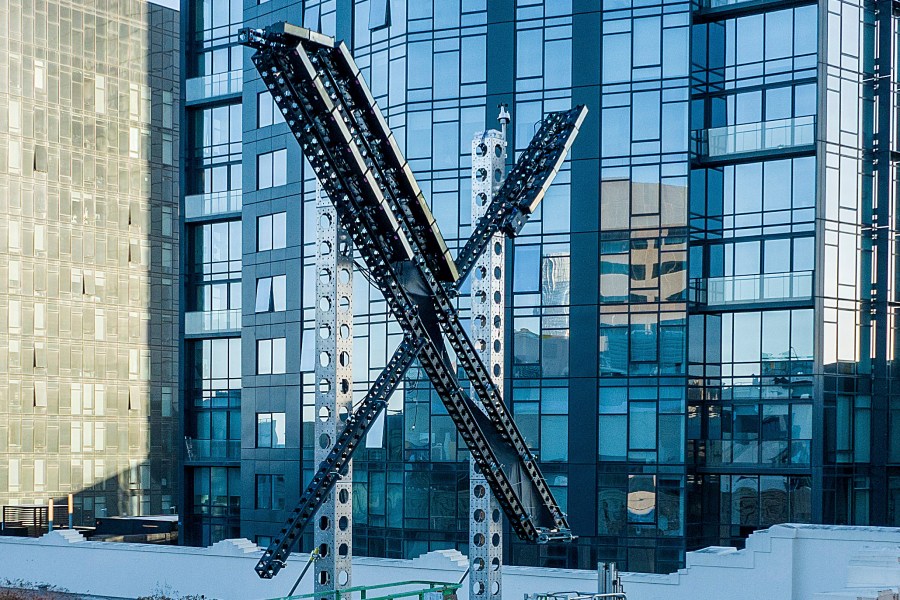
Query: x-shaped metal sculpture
[(331, 112)]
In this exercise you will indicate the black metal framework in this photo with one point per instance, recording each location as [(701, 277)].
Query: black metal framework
[(331, 112)]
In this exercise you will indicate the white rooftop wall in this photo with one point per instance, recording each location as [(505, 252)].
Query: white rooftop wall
[(786, 562)]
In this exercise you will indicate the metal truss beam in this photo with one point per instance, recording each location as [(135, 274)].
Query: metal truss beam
[(330, 110)]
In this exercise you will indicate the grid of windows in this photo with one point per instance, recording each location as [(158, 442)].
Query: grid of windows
[(89, 282)]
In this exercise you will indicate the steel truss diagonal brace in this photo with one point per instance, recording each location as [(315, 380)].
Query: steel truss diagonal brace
[(330, 111)]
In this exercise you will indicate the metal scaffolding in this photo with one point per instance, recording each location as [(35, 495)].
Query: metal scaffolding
[(331, 112)]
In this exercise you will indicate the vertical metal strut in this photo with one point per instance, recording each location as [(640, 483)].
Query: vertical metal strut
[(334, 346), (488, 330)]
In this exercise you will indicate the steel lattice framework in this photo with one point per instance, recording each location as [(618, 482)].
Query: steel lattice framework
[(331, 112)]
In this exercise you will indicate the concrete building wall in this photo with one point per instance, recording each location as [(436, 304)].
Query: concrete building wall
[(785, 562)]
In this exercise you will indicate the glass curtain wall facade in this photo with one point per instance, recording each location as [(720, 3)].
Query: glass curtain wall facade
[(212, 264), (697, 348), (89, 248)]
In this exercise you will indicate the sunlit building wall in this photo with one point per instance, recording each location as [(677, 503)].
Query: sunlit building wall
[(89, 256)]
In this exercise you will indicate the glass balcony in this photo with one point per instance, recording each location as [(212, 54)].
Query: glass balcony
[(212, 449), (212, 86), (765, 136), (212, 321), (198, 206), (753, 289)]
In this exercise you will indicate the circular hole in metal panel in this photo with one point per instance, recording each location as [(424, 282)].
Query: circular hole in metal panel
[(324, 386), (344, 359), (480, 273), (481, 199), (343, 413), (324, 304), (325, 221), (498, 175), (479, 491), (497, 322), (496, 370), (345, 332), (479, 587), (479, 564), (343, 496), (324, 248), (323, 577), (345, 386), (478, 540), (479, 515), (495, 564), (497, 297), (498, 150), (324, 441), (323, 550), (495, 540), (344, 304), (324, 413), (498, 248), (343, 550), (481, 296), (343, 523), (497, 272), (481, 174), (481, 345), (324, 359), (324, 332), (343, 578), (325, 276), (324, 523), (495, 588), (497, 346), (481, 149), (344, 276), (495, 516)]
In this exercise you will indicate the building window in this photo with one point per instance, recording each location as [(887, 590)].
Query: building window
[(270, 358), (270, 430), (270, 293), (267, 112), (271, 169), (270, 492), (271, 231), (379, 14)]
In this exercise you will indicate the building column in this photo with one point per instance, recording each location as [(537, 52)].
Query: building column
[(333, 533), (485, 516)]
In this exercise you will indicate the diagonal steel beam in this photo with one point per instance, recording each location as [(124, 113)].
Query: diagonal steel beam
[(343, 135)]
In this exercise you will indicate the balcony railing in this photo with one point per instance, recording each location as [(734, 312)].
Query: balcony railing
[(212, 321), (747, 289), (765, 136), (209, 205), (211, 86), (212, 449)]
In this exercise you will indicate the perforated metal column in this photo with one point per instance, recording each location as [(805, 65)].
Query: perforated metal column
[(334, 347), (485, 527)]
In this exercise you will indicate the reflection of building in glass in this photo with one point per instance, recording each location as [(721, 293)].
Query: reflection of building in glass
[(695, 346), (89, 257)]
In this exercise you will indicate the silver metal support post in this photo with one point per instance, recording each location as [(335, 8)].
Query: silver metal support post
[(485, 526), (334, 347)]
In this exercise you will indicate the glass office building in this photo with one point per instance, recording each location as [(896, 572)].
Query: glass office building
[(89, 256), (700, 314)]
